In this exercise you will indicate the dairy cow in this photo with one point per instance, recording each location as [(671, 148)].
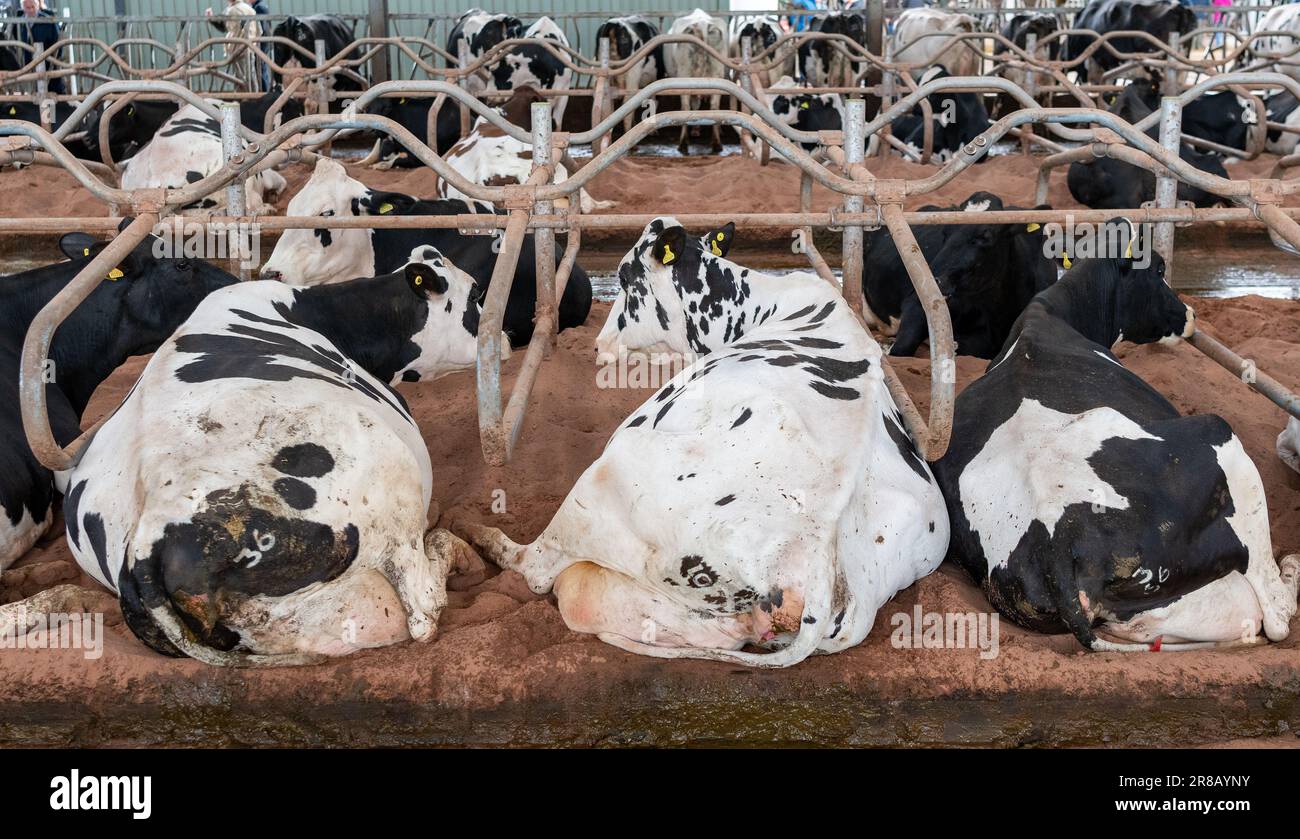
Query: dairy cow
[(491, 157), (807, 111), (922, 37), (187, 148), (413, 115), (324, 255), (1279, 53), (481, 31), (304, 31), (1222, 117), (1017, 30), (1107, 184), (1281, 108), (534, 66), (763, 31), (824, 63), (691, 61), (1157, 18), (955, 120), (131, 313), (1082, 500), (766, 495), (261, 497), (987, 274), (627, 34)]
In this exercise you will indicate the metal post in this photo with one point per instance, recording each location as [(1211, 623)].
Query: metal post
[(854, 151), (746, 84), (599, 99), (1171, 123), (46, 114), (232, 149), (544, 239), (73, 86), (463, 57), (886, 101), (323, 83), (1171, 68), (378, 28), (1031, 88)]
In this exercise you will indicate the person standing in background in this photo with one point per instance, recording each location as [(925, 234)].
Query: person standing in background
[(237, 22), (42, 32)]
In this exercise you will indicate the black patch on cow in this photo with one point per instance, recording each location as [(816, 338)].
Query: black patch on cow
[(70, 513), (807, 310), (725, 500), (697, 572), (193, 177), (191, 126), (324, 235), (411, 376), (94, 525), (297, 494), (304, 460), (743, 418), (635, 422), (906, 447)]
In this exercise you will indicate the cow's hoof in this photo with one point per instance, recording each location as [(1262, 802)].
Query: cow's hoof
[(1290, 568)]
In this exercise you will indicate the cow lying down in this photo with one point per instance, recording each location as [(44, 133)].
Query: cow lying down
[(260, 498), (767, 495), (1084, 502), (187, 149)]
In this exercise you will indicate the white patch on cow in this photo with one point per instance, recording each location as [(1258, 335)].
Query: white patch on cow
[(300, 257), (977, 206), (1280, 18), (17, 539), (181, 146), (1038, 459), (959, 59)]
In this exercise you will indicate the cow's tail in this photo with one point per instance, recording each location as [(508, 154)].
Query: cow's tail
[(812, 629), (155, 618)]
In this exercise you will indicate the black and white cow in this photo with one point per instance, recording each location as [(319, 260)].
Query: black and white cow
[(1222, 117), (922, 38), (481, 31), (305, 30), (1082, 500), (763, 31), (132, 127), (821, 62), (413, 115), (536, 67), (83, 146), (1281, 108), (807, 111), (627, 35), (489, 156), (322, 256), (687, 60), (1106, 184), (1042, 26), (987, 273), (262, 495), (957, 118), (1281, 55), (1157, 18), (187, 148), (131, 313), (767, 495)]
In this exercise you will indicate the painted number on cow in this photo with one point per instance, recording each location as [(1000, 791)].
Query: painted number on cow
[(264, 543)]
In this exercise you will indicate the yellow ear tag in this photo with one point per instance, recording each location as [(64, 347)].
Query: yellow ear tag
[(116, 274), (385, 208), (85, 251), (716, 250), (1032, 227), (1065, 260), (1128, 254), (12, 110), (669, 256), (402, 101), (804, 105), (419, 280), (130, 110)]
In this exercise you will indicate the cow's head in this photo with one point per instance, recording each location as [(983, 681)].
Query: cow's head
[(957, 267), (446, 330), (761, 34), (518, 108), (677, 293), (497, 29), (144, 298), (322, 255), (1129, 291)]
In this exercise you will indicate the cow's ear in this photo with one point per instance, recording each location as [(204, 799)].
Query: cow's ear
[(719, 241), (670, 245), (78, 245), (387, 203), (424, 280)]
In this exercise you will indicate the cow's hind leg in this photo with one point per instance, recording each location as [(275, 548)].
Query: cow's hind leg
[(465, 568), (683, 142), (420, 581), (715, 102), (538, 566), (20, 617)]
